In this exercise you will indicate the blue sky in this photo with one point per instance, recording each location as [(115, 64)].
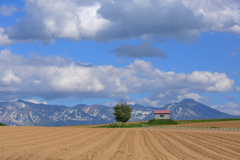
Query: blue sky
[(97, 52)]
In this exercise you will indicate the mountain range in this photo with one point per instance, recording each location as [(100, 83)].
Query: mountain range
[(23, 113)]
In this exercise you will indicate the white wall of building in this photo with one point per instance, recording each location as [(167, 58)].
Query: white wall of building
[(162, 116)]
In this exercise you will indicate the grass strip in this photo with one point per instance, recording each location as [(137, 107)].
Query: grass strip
[(206, 120), (152, 122), (157, 122)]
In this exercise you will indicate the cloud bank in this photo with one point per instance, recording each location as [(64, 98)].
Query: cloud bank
[(54, 77), (106, 20), (229, 108), (138, 51)]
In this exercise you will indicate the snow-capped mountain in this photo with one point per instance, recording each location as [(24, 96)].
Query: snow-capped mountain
[(30, 114), (22, 113)]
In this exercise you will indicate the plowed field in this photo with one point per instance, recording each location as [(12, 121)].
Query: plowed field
[(99, 143)]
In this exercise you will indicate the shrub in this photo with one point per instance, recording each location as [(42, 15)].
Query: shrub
[(114, 125), (117, 125), (122, 125), (161, 122), (137, 125)]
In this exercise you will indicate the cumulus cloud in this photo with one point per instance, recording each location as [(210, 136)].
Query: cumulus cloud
[(150, 19), (148, 102), (194, 96), (4, 40), (107, 20), (138, 51), (229, 108), (54, 77), (46, 20), (7, 10), (221, 82)]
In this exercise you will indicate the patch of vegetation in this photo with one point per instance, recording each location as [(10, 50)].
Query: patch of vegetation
[(161, 122), (152, 122), (122, 125), (215, 127), (206, 120), (2, 124)]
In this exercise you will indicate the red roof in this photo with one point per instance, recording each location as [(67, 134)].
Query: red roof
[(161, 111)]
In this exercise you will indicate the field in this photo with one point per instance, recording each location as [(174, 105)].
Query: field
[(223, 124), (82, 142)]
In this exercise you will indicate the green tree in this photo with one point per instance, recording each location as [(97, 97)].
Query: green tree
[(122, 112), (2, 124)]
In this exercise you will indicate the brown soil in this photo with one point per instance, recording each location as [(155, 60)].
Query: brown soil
[(100, 143)]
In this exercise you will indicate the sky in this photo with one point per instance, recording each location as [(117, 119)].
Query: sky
[(150, 53)]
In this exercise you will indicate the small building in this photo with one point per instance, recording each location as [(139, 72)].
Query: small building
[(162, 114)]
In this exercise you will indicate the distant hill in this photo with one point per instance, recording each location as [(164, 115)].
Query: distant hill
[(22, 113)]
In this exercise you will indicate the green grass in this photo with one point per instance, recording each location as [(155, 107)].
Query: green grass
[(206, 120), (161, 122), (2, 124), (152, 122), (122, 125)]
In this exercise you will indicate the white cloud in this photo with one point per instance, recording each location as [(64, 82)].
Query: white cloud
[(91, 22), (229, 108), (194, 96), (110, 104), (148, 103), (7, 10), (35, 101), (4, 40), (54, 77), (46, 20), (8, 78), (219, 15), (235, 29), (183, 20), (221, 82)]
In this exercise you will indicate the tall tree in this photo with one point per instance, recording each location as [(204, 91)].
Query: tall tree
[(2, 124), (122, 112)]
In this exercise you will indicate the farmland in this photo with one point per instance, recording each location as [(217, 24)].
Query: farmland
[(221, 124), (82, 142)]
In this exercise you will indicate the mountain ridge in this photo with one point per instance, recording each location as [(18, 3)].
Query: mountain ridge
[(23, 113)]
